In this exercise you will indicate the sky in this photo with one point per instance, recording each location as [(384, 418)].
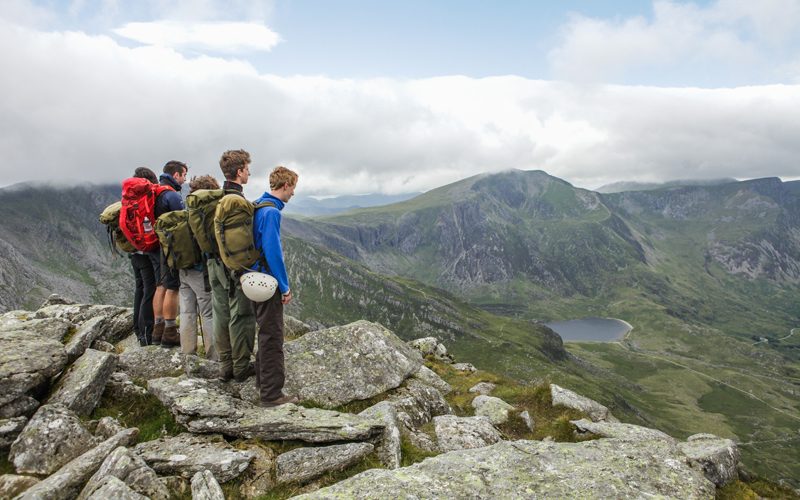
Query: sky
[(364, 96)]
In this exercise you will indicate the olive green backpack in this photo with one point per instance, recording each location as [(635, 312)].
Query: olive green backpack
[(201, 205), (176, 239), (233, 229), (116, 238)]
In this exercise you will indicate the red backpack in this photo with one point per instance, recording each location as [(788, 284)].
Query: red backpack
[(137, 216)]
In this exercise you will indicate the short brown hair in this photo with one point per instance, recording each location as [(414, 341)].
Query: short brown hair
[(146, 173), (281, 176), (232, 161), (173, 167), (203, 182)]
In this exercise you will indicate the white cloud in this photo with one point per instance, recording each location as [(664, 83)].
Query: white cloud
[(725, 38), (226, 37), (80, 107)]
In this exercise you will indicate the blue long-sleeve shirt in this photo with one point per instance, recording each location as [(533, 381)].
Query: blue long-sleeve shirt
[(267, 239)]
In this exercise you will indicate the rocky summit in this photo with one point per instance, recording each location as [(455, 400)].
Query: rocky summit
[(377, 420)]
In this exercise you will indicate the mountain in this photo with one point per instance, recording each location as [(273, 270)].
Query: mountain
[(308, 206), (618, 187), (707, 275)]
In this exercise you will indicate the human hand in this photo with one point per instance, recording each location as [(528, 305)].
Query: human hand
[(286, 297)]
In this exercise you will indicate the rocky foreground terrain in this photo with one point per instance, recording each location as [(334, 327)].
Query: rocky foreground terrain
[(369, 400)]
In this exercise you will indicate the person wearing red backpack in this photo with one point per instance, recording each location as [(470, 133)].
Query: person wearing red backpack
[(165, 301), (145, 281)]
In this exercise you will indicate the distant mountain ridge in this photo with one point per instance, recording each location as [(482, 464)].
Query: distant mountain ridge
[(618, 187)]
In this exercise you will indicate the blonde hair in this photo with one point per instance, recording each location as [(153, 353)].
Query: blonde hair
[(282, 176)]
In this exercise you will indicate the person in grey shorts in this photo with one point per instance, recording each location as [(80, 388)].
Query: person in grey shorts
[(195, 294)]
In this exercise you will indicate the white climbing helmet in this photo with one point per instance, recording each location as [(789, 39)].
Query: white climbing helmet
[(258, 287)]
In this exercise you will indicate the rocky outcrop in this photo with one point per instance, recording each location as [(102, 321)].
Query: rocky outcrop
[(52, 437), (122, 464), (495, 409), (81, 387), (605, 468), (9, 430), (388, 448), (430, 378), (623, 432), (461, 433), (565, 397), (145, 363), (12, 485), (484, 388), (206, 487), (304, 464), (293, 327), (87, 333), (112, 487), (345, 363), (27, 362), (430, 346), (51, 328), (715, 456), (70, 479), (21, 406), (186, 454), (203, 408)]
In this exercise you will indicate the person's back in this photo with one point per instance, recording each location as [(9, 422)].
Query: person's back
[(145, 282)]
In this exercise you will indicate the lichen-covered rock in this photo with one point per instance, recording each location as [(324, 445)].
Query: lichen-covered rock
[(529, 423), (346, 363), (195, 366), (120, 387), (717, 457), (68, 481), (258, 478), (495, 409), (206, 487), (417, 403), (151, 362), (204, 408), (624, 432), (129, 468), (430, 377), (484, 388), (430, 346), (12, 485), (459, 433), (186, 454), (565, 397), (304, 464), (9, 430), (55, 299), (52, 437), (388, 447), (26, 363), (111, 487), (87, 333), (81, 387), (604, 468), (51, 328), (23, 406), (293, 327), (465, 367), (102, 345), (107, 427)]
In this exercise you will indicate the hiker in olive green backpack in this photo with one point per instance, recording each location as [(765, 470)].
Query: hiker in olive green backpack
[(234, 318), (195, 294)]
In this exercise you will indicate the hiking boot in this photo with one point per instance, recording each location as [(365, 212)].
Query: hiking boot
[(225, 374), (280, 401), (158, 331), (250, 370), (170, 337)]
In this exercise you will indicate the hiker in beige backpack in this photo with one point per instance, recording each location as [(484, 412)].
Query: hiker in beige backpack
[(234, 318)]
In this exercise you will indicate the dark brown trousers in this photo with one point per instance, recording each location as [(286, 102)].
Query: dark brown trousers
[(270, 371)]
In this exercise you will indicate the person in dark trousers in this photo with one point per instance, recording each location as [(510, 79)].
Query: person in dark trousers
[(145, 281), (234, 319), (270, 370), (165, 301)]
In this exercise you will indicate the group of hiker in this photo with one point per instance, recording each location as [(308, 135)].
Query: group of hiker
[(217, 259)]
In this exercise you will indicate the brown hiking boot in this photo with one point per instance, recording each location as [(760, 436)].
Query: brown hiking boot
[(171, 337), (225, 374), (280, 401), (248, 372), (158, 331)]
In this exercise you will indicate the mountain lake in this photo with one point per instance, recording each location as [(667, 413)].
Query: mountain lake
[(590, 329)]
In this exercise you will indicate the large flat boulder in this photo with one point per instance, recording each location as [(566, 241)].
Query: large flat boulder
[(117, 324), (27, 362), (624, 432), (570, 399), (22, 406), (152, 361), (186, 454), (203, 407), (605, 468), (461, 433), (81, 387), (51, 328), (717, 457), (345, 363), (301, 465)]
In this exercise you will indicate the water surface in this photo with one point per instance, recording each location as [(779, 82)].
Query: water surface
[(590, 329)]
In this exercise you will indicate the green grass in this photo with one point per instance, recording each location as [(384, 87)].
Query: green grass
[(146, 413)]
